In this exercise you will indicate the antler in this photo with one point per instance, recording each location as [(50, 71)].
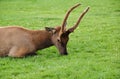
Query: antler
[(81, 16), (66, 16)]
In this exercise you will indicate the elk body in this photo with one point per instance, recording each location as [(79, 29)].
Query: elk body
[(19, 42)]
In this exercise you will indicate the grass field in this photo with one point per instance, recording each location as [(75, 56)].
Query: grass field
[(94, 47)]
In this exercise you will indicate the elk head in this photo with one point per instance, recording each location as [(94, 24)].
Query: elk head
[(60, 35)]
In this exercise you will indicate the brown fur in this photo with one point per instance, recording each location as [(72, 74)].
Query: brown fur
[(19, 42)]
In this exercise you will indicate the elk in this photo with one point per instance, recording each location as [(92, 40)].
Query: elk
[(16, 41)]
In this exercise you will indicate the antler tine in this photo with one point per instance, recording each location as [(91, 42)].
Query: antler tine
[(81, 16), (65, 19)]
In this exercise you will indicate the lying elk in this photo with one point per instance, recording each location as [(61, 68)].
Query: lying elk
[(19, 42)]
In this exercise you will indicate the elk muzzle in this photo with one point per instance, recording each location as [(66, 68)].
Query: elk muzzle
[(62, 49)]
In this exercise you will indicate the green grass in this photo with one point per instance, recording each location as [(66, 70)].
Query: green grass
[(94, 47)]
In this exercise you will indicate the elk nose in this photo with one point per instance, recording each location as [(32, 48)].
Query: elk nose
[(65, 53)]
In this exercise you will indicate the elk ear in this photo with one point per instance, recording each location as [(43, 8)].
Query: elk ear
[(50, 29), (66, 33)]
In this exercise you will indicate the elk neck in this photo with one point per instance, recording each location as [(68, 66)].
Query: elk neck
[(41, 39)]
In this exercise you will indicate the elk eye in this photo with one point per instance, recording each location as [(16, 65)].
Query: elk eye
[(58, 40)]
